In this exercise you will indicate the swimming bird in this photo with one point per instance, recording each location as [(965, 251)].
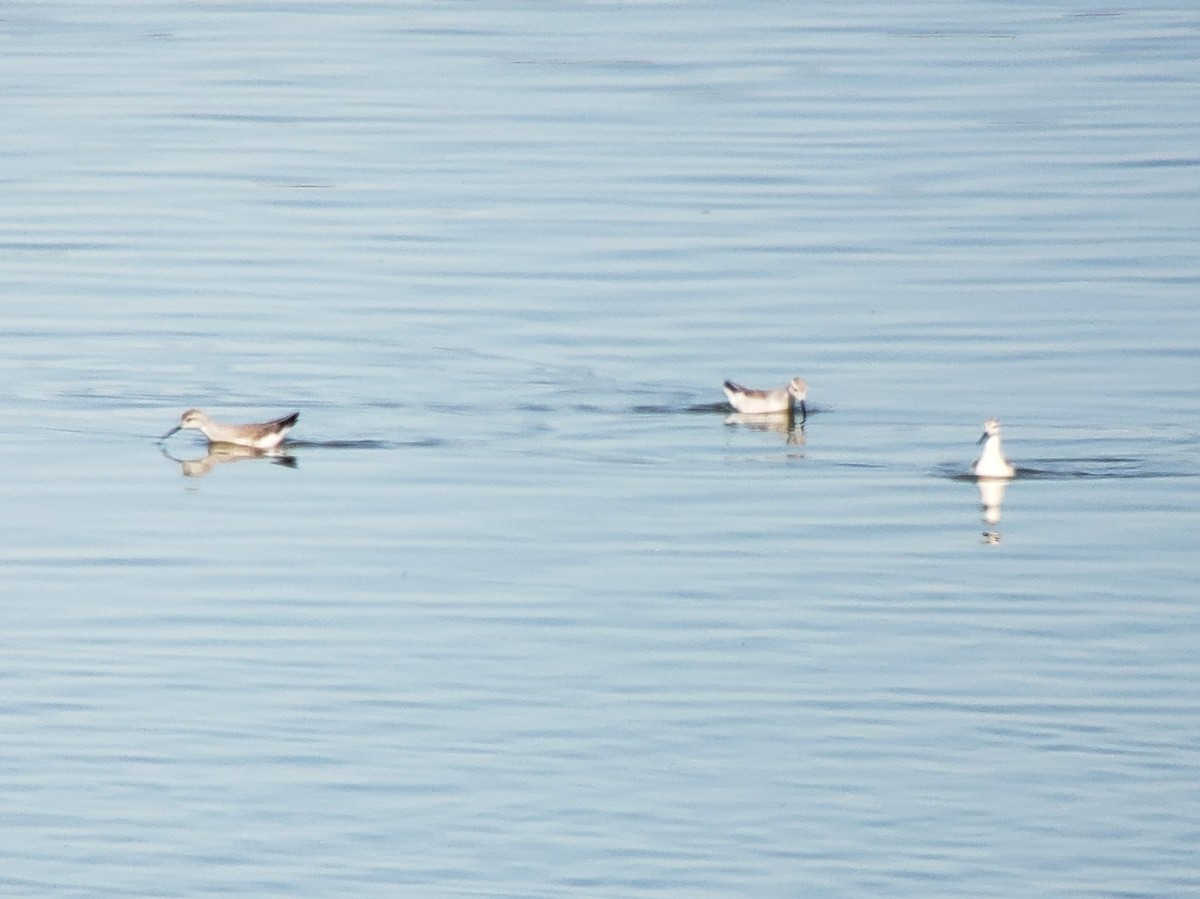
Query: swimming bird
[(991, 462), (265, 436), (761, 402)]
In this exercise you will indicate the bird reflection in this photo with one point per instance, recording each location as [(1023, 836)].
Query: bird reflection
[(776, 422), (220, 453), (991, 496)]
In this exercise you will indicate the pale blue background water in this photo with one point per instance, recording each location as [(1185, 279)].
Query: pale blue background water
[(528, 617)]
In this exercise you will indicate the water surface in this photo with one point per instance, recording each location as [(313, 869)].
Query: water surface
[(528, 614)]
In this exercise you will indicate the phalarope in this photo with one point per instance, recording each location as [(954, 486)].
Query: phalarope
[(265, 436), (991, 462), (762, 402)]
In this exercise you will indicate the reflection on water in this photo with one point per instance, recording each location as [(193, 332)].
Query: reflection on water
[(783, 423), (991, 496), (221, 453)]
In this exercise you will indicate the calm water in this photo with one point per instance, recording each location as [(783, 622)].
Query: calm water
[(528, 616)]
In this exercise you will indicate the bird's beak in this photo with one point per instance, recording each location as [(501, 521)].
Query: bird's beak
[(982, 437), (803, 412), (174, 430)]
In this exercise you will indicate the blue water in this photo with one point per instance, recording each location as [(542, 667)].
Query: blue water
[(528, 614)]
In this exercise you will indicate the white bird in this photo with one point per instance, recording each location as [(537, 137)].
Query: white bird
[(265, 436), (991, 462), (763, 402)]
